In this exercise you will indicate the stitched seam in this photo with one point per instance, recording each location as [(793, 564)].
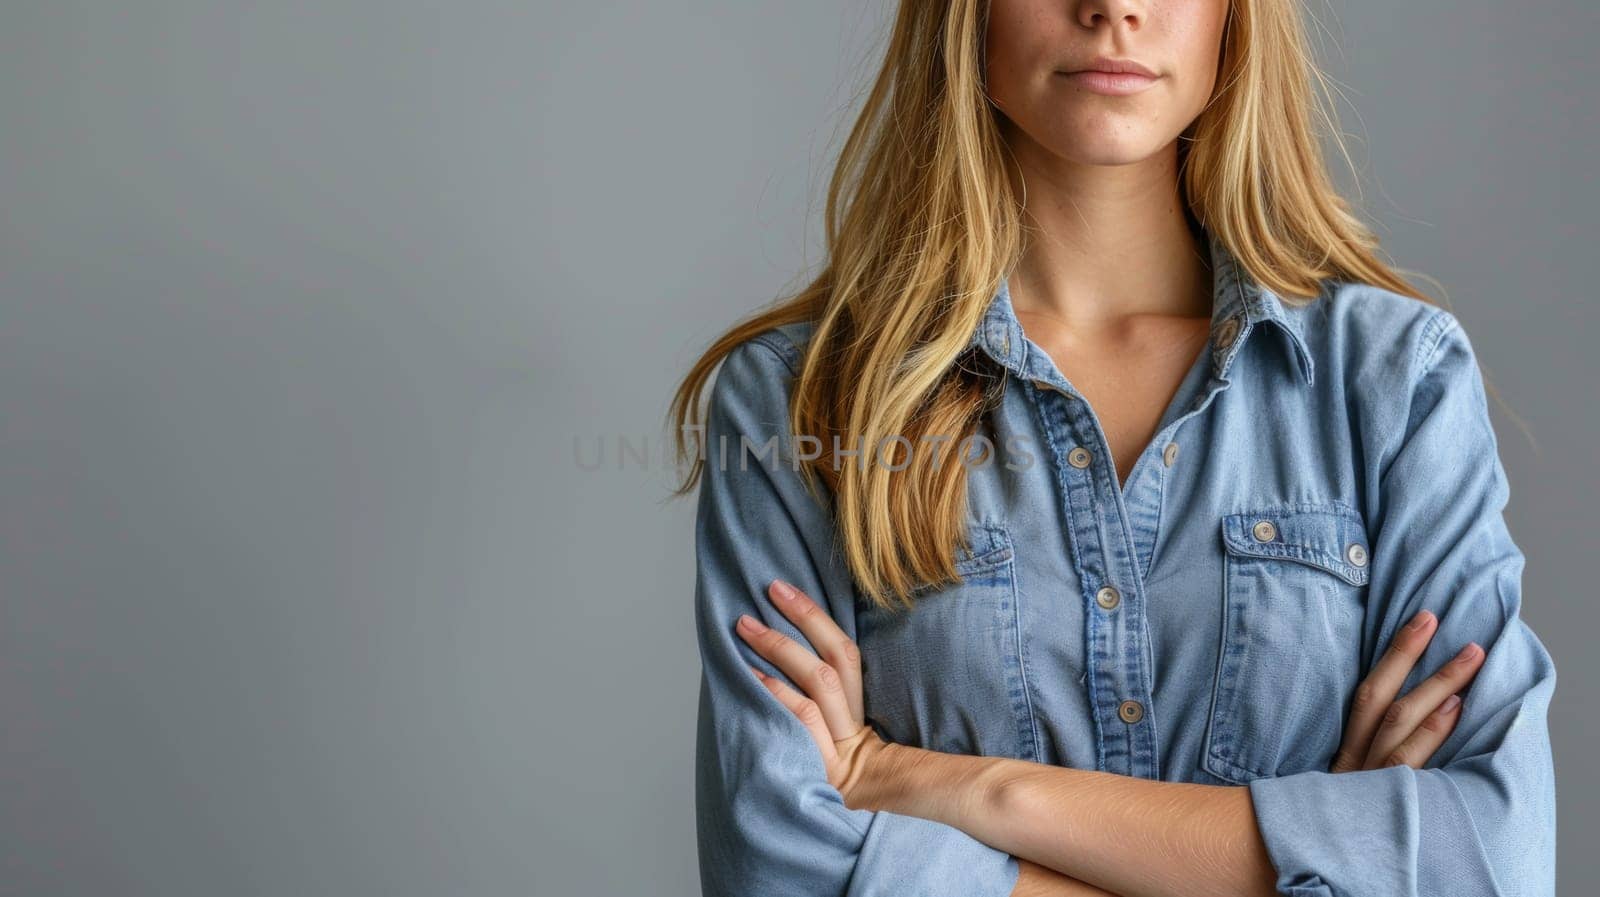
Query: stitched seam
[(1432, 338), (1061, 492), (998, 553), (782, 350), (1161, 513), (1312, 556), (1332, 505), (1022, 665)]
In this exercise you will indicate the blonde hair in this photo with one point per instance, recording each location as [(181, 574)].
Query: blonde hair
[(921, 225)]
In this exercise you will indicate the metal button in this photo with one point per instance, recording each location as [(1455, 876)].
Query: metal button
[(1108, 597), (1170, 456), (1079, 457), (1130, 711), (1357, 553), (1227, 331), (1264, 531)]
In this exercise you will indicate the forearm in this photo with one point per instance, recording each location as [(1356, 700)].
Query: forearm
[(1129, 836)]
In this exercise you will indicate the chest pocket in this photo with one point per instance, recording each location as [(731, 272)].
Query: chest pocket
[(947, 674), (1293, 603)]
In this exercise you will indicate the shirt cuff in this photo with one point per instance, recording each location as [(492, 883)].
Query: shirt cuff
[(1393, 830), (908, 855)]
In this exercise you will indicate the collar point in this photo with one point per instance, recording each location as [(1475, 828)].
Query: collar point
[(1308, 369)]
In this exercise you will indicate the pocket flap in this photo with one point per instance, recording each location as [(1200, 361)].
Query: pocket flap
[(991, 546), (1328, 537)]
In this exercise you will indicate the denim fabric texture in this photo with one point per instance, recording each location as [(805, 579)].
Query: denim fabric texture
[(1322, 474)]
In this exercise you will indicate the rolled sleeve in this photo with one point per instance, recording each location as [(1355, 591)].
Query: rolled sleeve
[(1479, 819), (768, 821)]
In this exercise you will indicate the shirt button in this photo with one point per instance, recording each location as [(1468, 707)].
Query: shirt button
[(1357, 553), (1079, 457), (1227, 331), (1130, 711), (1264, 531), (1170, 456), (1107, 597)]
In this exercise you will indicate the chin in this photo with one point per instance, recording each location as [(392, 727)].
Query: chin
[(1102, 149)]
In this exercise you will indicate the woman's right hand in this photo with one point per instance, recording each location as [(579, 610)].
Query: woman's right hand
[(1385, 731)]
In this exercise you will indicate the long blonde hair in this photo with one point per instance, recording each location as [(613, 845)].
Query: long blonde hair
[(922, 222)]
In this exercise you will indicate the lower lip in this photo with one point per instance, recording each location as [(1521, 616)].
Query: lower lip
[(1112, 83)]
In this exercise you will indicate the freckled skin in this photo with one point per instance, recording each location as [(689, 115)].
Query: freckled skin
[(1029, 41)]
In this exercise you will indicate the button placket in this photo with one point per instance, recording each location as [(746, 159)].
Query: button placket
[(1103, 543)]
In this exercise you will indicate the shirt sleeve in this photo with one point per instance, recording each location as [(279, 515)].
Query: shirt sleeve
[(1479, 819), (768, 821)]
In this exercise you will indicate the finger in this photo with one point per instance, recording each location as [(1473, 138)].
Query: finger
[(1419, 746), (817, 679), (1379, 688), (819, 628), (1407, 712), (807, 712)]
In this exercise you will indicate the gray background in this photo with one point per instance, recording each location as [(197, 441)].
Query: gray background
[(303, 307)]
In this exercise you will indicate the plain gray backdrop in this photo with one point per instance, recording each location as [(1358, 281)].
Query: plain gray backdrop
[(306, 308)]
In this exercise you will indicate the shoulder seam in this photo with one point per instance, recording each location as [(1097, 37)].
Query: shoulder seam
[(781, 351), (1433, 335)]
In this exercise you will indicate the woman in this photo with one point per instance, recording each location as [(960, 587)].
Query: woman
[(1110, 466)]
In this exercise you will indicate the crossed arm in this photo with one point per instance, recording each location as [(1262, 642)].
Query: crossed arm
[(1084, 832), (1478, 822)]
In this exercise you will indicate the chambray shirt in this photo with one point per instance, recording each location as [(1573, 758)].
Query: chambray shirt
[(1322, 474)]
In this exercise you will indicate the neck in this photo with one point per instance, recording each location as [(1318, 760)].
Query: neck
[(1107, 242)]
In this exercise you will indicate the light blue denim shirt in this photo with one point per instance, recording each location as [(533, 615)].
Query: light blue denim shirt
[(1322, 474)]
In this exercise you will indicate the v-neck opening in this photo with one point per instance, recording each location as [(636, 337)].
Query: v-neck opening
[(1181, 400)]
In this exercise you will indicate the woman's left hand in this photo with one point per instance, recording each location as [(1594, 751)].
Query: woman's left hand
[(831, 707)]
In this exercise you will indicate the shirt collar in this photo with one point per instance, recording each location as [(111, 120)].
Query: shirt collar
[(1239, 305)]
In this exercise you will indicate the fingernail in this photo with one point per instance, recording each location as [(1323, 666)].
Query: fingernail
[(1467, 653), (783, 590), (751, 624), (1450, 703), (1419, 621)]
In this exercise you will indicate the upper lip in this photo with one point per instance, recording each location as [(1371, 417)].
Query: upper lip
[(1110, 64)]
